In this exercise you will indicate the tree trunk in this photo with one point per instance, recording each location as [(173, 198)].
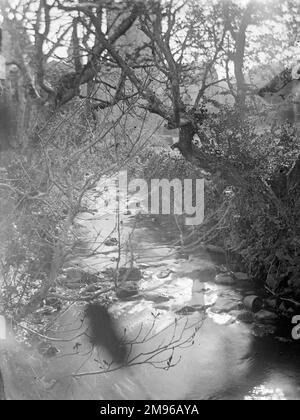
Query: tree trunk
[(185, 144), (239, 55), (206, 161)]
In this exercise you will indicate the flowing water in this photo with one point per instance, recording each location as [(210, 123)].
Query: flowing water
[(180, 347)]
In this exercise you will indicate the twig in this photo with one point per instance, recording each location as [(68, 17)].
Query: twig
[(294, 302)]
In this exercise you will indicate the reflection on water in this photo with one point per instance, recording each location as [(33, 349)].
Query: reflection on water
[(262, 392)]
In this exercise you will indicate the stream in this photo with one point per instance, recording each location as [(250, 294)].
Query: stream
[(177, 307)]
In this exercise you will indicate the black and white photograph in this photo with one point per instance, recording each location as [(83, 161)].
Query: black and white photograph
[(149, 202)]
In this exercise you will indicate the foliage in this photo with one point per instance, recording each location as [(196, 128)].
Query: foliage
[(260, 222), (44, 190)]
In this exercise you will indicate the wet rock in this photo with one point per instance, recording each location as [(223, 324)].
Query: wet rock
[(51, 352), (253, 303), (224, 305), (133, 298), (123, 293), (90, 278), (127, 290), (249, 292), (207, 273), (243, 316), (147, 275), (188, 310), (162, 308), (229, 321), (241, 276), (111, 242), (199, 287), (72, 274), (54, 303), (143, 265), (222, 319), (164, 273), (92, 288), (46, 310), (156, 298), (129, 274), (246, 317), (182, 255), (230, 294), (202, 307), (214, 249), (265, 316), (224, 279), (223, 268)]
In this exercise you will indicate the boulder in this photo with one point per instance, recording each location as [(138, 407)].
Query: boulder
[(264, 316), (207, 273), (224, 279), (224, 305), (253, 303), (126, 292), (127, 274), (243, 316)]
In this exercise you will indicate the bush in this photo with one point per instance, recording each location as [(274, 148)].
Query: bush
[(260, 223)]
